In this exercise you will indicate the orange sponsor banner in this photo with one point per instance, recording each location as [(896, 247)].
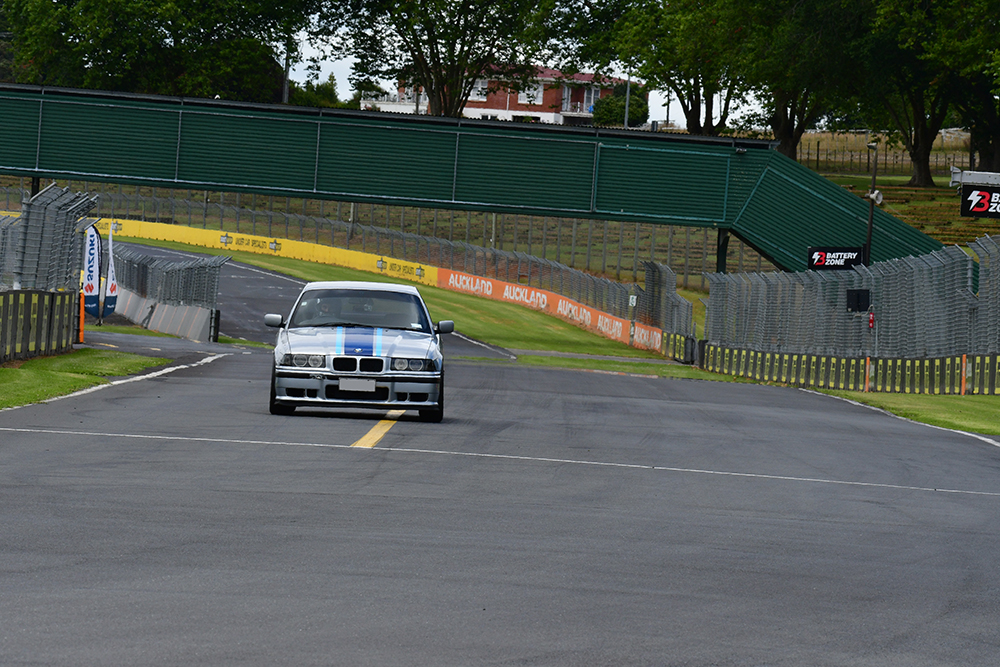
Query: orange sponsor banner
[(586, 317), (647, 338)]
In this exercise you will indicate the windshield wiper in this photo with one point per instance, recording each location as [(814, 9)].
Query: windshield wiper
[(344, 324)]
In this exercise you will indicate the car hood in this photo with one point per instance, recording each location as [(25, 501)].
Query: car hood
[(359, 342)]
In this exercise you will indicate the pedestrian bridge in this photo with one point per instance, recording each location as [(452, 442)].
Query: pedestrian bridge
[(737, 186)]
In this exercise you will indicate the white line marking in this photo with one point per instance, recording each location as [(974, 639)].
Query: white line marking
[(484, 345), (271, 274), (905, 419), (510, 457), (115, 383)]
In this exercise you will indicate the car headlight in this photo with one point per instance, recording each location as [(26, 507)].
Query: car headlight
[(304, 360), (413, 364)]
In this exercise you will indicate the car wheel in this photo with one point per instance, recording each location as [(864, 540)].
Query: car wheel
[(275, 407), (435, 415)]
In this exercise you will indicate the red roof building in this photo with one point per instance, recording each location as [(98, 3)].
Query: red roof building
[(551, 98)]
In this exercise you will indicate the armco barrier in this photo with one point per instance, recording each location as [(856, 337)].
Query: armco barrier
[(615, 328), (944, 375), (34, 323), (192, 322)]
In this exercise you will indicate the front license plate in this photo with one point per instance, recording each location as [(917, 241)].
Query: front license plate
[(354, 384)]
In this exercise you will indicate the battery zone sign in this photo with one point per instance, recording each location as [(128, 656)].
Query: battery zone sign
[(835, 259), (981, 201)]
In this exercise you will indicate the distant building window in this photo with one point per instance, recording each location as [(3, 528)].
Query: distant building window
[(479, 91), (590, 95), (532, 94)]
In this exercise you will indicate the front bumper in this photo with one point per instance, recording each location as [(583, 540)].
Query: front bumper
[(321, 388)]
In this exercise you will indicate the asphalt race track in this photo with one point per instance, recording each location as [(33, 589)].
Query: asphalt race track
[(554, 518)]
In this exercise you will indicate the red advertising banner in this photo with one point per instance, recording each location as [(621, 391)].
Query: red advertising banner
[(586, 317)]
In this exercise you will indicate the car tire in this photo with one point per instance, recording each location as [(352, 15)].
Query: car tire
[(435, 415), (276, 407)]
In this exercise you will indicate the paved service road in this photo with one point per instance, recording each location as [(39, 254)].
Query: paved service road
[(554, 518)]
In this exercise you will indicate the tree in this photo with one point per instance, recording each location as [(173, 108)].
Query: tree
[(227, 48), (312, 94), (966, 40), (6, 48), (440, 46), (905, 82), (786, 60), (610, 110), (690, 48)]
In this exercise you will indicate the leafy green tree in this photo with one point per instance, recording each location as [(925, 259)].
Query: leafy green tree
[(797, 58), (440, 46), (227, 48), (690, 48), (966, 42), (313, 94), (907, 87), (610, 110), (6, 48)]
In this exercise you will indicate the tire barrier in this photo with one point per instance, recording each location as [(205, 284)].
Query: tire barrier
[(956, 374), (35, 323)]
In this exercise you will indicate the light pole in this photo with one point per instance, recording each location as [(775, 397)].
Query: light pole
[(873, 197), (628, 90)]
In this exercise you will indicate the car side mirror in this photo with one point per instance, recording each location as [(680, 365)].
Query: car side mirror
[(274, 320), (444, 327)]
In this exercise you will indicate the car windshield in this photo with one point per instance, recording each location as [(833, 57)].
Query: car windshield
[(360, 308)]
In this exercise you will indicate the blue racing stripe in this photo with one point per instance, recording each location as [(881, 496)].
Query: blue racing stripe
[(378, 342), (360, 342), (338, 341)]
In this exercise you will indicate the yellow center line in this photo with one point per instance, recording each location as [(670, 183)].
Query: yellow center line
[(371, 438)]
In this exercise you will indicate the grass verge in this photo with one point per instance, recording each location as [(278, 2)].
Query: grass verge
[(43, 378), (976, 414)]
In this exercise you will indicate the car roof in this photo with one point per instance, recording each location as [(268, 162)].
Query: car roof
[(359, 284)]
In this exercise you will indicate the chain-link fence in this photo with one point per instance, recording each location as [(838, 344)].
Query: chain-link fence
[(42, 248), (189, 283), (664, 309), (986, 317), (921, 307), (615, 250), (659, 304)]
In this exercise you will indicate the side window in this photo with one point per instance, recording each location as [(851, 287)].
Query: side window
[(479, 91), (532, 94)]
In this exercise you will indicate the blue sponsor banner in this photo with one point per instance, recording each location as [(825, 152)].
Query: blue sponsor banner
[(92, 272), (111, 284)]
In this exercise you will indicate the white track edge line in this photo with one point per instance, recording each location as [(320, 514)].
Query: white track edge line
[(905, 419), (136, 378)]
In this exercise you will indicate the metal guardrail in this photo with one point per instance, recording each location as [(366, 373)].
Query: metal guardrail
[(923, 307), (189, 283)]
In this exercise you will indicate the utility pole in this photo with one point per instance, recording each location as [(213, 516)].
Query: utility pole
[(628, 90), (873, 197)]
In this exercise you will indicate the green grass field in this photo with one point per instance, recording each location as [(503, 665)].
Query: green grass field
[(43, 378)]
